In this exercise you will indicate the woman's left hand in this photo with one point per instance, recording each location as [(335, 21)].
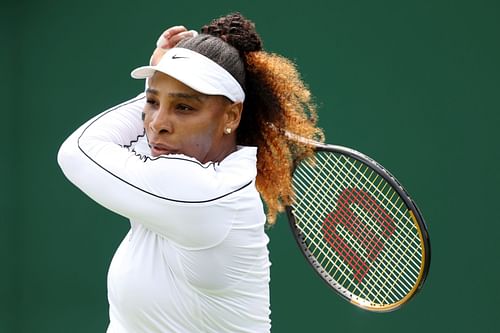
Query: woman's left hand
[(168, 39)]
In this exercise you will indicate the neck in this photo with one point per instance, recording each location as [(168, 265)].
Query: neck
[(228, 147)]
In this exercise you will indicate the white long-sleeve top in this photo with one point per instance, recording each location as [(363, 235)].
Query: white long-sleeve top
[(195, 258)]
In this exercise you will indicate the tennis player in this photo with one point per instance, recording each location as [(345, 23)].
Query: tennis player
[(187, 162)]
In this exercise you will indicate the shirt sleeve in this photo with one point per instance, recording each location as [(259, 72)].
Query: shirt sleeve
[(173, 195)]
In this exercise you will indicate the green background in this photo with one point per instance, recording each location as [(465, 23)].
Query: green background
[(414, 84)]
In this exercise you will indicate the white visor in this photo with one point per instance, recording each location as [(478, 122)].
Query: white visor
[(197, 72)]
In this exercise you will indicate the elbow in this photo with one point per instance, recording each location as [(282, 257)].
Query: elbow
[(68, 158)]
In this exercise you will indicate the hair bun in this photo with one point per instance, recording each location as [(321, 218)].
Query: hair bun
[(237, 31)]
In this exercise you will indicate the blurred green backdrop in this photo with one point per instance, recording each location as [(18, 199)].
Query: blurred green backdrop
[(414, 84)]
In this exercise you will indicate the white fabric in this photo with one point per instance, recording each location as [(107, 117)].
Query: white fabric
[(195, 258), (196, 71)]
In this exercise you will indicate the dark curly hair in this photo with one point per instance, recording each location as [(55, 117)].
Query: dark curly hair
[(277, 101)]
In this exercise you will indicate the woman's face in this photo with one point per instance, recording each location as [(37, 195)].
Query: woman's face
[(178, 119)]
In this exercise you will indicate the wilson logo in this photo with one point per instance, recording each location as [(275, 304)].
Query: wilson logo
[(356, 230)]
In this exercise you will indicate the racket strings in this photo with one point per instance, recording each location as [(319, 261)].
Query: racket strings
[(319, 184), (399, 210), (327, 268), (326, 195), (344, 272), (319, 241), (350, 181)]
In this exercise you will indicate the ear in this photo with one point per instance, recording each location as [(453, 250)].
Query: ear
[(233, 116)]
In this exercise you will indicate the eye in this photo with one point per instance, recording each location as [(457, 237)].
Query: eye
[(152, 102), (184, 107)]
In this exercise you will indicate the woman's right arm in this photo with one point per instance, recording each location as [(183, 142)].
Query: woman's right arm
[(173, 195)]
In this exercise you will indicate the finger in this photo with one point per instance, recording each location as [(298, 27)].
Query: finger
[(156, 56), (166, 43), (180, 36), (174, 31), (163, 40)]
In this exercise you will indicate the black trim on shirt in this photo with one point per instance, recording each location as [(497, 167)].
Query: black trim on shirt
[(147, 158)]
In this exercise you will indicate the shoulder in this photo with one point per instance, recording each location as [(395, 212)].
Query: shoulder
[(241, 164), (183, 179)]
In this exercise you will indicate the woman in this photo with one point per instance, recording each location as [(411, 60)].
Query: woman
[(187, 163)]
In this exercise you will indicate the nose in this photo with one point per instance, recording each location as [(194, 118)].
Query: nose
[(161, 122)]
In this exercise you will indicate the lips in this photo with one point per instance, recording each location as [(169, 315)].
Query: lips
[(158, 149)]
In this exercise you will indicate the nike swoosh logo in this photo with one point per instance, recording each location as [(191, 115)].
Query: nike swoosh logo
[(175, 56)]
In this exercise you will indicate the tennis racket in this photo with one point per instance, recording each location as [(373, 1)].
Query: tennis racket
[(358, 228)]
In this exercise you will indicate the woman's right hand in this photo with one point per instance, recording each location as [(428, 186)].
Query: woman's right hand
[(168, 39)]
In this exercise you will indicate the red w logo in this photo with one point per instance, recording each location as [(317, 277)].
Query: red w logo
[(371, 240)]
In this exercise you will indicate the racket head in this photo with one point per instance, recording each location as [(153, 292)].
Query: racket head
[(359, 228)]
